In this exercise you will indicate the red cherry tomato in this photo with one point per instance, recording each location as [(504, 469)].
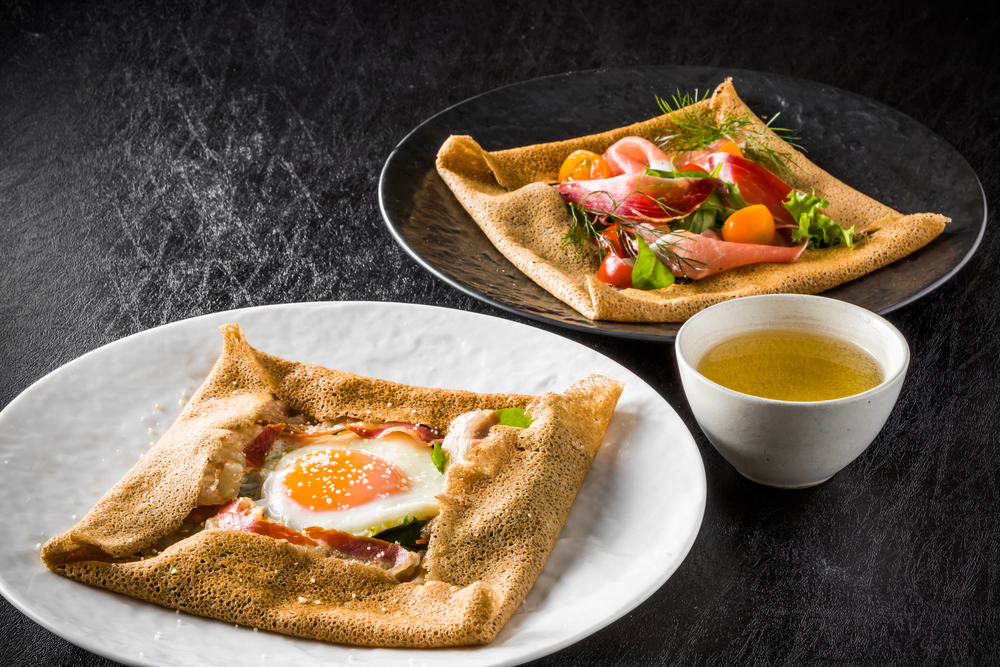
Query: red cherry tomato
[(615, 272), (691, 166), (753, 224), (584, 166), (614, 241)]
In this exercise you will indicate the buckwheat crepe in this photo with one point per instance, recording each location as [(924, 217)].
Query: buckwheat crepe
[(508, 194), (484, 554)]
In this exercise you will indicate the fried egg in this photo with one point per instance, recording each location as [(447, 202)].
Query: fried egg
[(358, 485)]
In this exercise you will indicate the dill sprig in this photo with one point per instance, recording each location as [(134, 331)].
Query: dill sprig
[(589, 222), (692, 128)]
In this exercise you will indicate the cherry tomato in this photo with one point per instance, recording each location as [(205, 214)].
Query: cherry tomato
[(691, 166), (615, 272), (731, 148), (753, 224), (613, 240), (584, 166)]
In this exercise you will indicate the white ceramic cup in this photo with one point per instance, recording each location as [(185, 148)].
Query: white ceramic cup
[(790, 444)]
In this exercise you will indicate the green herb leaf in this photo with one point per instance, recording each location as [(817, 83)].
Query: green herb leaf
[(818, 228), (439, 457), (406, 534), (693, 126), (514, 417), (736, 200), (649, 272)]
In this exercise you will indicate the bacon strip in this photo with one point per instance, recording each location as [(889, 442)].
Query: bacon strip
[(640, 197), (398, 561)]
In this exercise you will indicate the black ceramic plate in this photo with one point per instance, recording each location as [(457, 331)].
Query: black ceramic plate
[(869, 146)]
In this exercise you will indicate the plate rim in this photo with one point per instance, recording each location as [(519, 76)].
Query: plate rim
[(94, 646), (665, 337)]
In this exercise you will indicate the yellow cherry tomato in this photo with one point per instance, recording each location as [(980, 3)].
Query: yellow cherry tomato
[(584, 166), (753, 224), (731, 148)]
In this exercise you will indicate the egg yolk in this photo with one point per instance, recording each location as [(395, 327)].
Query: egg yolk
[(341, 479)]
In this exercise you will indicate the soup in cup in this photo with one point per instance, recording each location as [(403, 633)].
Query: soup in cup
[(826, 375)]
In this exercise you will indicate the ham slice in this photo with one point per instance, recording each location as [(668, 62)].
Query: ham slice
[(639, 197), (706, 254)]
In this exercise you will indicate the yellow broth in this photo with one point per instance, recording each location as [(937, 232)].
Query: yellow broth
[(791, 366)]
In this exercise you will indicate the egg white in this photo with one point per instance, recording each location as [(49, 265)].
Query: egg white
[(413, 459)]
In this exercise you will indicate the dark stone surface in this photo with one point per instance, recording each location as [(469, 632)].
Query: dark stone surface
[(160, 160)]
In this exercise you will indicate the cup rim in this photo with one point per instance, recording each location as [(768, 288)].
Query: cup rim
[(682, 359)]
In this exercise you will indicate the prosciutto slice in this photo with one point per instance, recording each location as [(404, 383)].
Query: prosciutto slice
[(421, 433), (361, 429), (633, 155), (257, 449), (640, 197), (398, 561), (706, 254), (247, 516), (757, 185)]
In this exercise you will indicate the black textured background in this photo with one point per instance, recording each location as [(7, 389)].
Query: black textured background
[(160, 161)]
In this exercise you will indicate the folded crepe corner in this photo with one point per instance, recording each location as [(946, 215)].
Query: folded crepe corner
[(507, 193), (483, 557)]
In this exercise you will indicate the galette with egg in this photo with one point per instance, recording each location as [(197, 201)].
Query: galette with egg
[(322, 504)]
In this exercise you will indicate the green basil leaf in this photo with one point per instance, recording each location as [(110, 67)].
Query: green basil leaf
[(649, 272), (514, 417), (439, 457)]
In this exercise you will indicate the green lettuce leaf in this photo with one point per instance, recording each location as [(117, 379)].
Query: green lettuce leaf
[(514, 417), (818, 228), (439, 457), (649, 272)]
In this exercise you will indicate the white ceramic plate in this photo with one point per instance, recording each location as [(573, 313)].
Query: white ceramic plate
[(74, 433)]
